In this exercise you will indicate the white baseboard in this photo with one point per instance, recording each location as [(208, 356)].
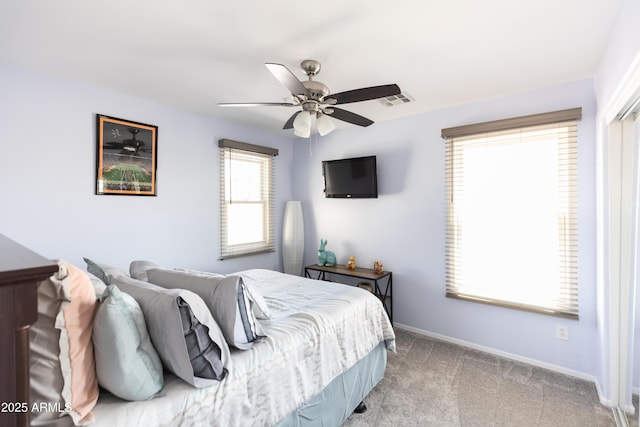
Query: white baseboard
[(518, 358)]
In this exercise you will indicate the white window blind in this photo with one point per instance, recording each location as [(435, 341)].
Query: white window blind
[(246, 198), (512, 214)]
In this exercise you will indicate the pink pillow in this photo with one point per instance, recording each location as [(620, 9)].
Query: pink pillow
[(63, 370)]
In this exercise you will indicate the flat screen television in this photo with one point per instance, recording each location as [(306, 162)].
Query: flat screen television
[(354, 178)]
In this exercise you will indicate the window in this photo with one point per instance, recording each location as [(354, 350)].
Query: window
[(246, 198), (512, 220)]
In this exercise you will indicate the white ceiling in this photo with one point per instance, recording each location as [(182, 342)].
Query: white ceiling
[(193, 54)]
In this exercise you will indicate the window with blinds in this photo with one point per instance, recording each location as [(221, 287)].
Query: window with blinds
[(512, 214), (246, 198)]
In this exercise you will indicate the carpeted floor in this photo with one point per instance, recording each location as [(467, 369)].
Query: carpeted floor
[(435, 383), (633, 418)]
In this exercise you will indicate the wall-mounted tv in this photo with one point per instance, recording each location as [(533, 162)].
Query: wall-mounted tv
[(354, 178)]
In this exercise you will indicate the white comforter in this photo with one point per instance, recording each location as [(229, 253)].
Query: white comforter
[(317, 331)]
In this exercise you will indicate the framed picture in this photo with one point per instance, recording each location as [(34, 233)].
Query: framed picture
[(127, 155)]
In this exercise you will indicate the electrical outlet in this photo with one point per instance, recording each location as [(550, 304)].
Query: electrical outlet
[(562, 332)]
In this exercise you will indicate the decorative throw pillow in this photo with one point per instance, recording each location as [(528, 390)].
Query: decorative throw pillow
[(138, 269), (226, 297), (62, 364), (102, 271), (126, 362), (187, 339)]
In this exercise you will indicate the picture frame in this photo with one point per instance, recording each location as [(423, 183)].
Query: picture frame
[(126, 157)]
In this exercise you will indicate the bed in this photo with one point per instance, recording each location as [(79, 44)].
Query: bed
[(322, 337), (325, 348)]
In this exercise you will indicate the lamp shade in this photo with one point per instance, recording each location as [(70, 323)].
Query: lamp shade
[(302, 124), (293, 238), (306, 134), (325, 125)]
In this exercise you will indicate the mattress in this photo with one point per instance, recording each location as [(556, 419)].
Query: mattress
[(317, 331)]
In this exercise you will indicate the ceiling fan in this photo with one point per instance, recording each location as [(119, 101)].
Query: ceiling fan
[(316, 100)]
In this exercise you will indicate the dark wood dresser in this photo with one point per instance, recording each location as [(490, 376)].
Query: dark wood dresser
[(20, 271)]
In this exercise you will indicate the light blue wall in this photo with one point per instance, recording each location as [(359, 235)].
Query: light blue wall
[(405, 226), (47, 178), (47, 173)]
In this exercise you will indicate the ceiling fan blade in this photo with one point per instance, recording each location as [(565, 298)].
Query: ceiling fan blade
[(256, 104), (289, 123), (365, 94), (349, 117), (287, 78)]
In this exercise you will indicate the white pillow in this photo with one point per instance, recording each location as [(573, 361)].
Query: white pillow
[(126, 363)]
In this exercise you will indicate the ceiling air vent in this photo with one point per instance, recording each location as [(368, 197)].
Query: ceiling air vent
[(402, 98)]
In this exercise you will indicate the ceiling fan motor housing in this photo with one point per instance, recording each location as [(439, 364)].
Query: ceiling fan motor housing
[(311, 106), (316, 90)]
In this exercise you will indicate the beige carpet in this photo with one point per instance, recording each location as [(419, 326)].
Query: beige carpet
[(435, 383)]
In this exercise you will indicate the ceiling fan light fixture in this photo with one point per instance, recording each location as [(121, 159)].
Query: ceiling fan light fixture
[(302, 134), (325, 125), (302, 124)]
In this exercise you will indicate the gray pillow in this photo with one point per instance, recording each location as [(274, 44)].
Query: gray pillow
[(186, 337), (138, 269), (206, 273), (98, 285), (226, 297), (126, 362), (102, 271)]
